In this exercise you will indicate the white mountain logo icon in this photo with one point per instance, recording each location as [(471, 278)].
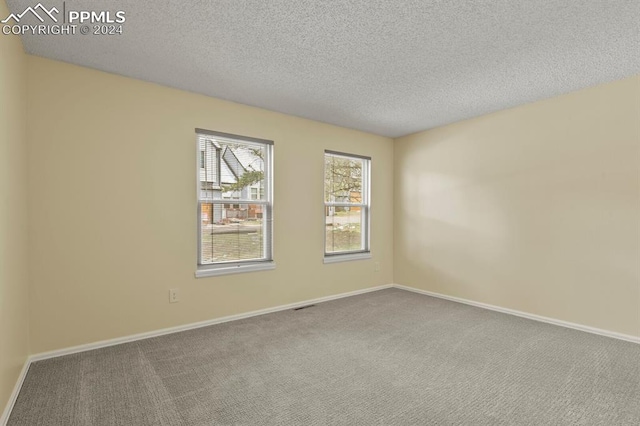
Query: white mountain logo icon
[(33, 10)]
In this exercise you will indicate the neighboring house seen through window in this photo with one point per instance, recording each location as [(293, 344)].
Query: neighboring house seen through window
[(346, 206), (234, 237)]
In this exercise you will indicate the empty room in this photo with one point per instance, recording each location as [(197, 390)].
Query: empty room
[(339, 212)]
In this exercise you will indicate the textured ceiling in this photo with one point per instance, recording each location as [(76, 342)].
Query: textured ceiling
[(386, 67)]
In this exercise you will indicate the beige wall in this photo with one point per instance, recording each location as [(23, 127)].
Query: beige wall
[(535, 208), (113, 207), (14, 315)]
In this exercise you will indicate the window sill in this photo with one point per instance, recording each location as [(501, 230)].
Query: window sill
[(335, 258), (235, 269)]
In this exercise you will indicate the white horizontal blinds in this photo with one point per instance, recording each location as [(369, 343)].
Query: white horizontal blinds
[(235, 204), (346, 199)]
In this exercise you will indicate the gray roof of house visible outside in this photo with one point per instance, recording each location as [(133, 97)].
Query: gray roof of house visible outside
[(246, 160), (226, 175)]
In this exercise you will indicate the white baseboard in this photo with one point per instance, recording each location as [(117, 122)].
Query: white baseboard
[(161, 332), (14, 395), (140, 336), (580, 327)]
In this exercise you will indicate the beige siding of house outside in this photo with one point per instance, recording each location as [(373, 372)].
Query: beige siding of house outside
[(535, 208), (14, 317)]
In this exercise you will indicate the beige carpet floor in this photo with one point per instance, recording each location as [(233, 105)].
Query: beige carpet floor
[(390, 357)]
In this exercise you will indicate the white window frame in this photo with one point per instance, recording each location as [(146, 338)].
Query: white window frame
[(233, 267), (365, 205)]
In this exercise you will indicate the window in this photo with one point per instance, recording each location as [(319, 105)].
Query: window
[(234, 237), (346, 206), (256, 193)]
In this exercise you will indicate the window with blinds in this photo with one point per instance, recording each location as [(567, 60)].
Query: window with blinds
[(346, 206), (234, 203)]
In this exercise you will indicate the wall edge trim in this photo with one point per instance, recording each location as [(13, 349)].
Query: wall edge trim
[(16, 391), (161, 332), (534, 317)]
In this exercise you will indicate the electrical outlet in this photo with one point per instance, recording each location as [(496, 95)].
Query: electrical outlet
[(174, 295), (376, 267)]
